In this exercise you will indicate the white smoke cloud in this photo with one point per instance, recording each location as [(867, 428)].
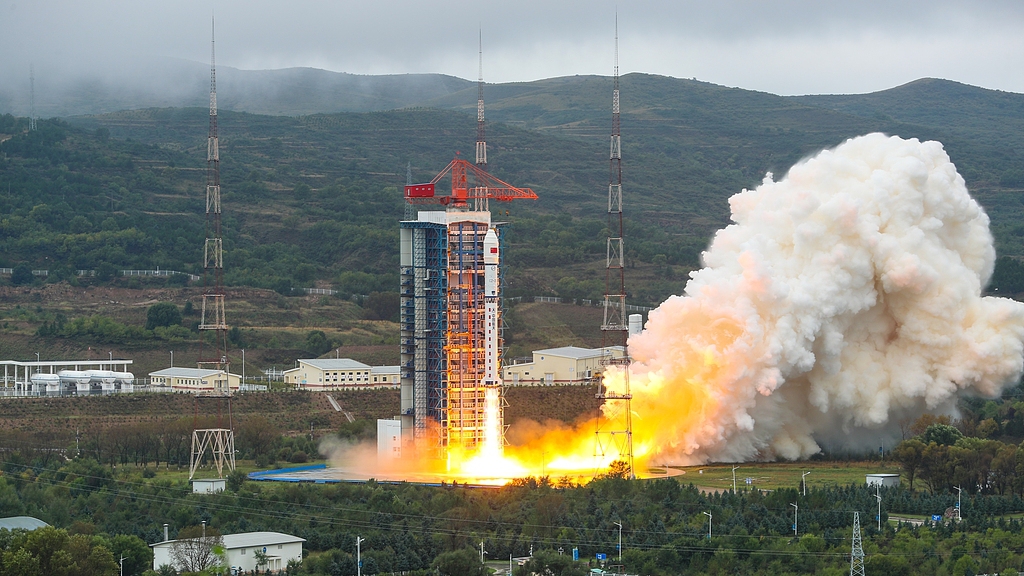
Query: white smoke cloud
[(844, 297)]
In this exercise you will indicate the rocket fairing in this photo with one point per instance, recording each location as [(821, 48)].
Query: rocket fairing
[(492, 370)]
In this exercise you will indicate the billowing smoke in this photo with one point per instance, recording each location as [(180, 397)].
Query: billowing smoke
[(844, 298)]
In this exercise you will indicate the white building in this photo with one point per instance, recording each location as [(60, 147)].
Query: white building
[(883, 480), (340, 373), (241, 550), (389, 439), (195, 380), (386, 376), (209, 485), (567, 365)]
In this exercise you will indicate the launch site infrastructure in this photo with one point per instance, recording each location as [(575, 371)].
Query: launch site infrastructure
[(451, 323)]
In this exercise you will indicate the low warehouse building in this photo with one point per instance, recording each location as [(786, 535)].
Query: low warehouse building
[(386, 376), (328, 373), (195, 380), (561, 366), (241, 550)]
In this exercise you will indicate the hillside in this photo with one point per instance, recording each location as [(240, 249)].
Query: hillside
[(314, 200)]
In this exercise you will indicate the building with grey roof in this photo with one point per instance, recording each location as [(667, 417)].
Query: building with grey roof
[(195, 380), (328, 374), (21, 523), (567, 365), (241, 551)]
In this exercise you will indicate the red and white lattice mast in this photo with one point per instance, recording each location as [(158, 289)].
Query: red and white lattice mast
[(220, 441), (616, 434), (213, 316)]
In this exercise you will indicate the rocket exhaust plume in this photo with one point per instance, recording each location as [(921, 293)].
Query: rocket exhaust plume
[(844, 298)]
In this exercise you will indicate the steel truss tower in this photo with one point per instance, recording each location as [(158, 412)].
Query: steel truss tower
[(857, 552), (220, 440), (213, 316), (616, 432), (481, 144)]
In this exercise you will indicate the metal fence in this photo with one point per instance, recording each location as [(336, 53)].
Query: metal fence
[(157, 272)]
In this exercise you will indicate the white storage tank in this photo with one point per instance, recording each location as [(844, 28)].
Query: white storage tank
[(103, 378), (51, 382)]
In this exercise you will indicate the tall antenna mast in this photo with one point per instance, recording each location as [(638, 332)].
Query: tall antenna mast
[(220, 440), (481, 144), (32, 96), (213, 318), (614, 328)]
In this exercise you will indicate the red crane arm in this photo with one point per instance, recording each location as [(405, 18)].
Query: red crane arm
[(485, 186)]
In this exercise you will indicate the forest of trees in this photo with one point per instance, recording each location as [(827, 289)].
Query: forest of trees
[(409, 528), (108, 489)]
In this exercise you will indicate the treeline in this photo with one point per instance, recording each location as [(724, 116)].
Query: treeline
[(943, 458), (416, 528), (145, 446)]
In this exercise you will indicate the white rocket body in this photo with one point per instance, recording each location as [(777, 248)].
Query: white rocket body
[(492, 370)]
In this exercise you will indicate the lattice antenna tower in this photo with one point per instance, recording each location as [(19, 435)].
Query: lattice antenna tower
[(481, 143), (615, 327), (857, 552), (31, 96), (213, 316), (220, 441)]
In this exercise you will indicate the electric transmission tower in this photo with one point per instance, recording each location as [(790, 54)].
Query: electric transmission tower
[(614, 327), (857, 553)]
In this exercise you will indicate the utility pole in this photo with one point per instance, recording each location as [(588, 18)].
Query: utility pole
[(359, 557), (482, 552), (708, 514), (857, 553), (878, 496), (796, 509), (958, 491), (803, 480), (120, 564), (734, 479), (620, 540)]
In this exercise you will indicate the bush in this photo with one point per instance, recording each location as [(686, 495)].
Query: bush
[(22, 274), (162, 314)]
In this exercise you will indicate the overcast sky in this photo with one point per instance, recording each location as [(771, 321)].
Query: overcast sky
[(783, 46)]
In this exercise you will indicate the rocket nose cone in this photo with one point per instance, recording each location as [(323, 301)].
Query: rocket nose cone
[(491, 247)]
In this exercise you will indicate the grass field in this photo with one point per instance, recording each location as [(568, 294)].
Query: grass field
[(774, 475)]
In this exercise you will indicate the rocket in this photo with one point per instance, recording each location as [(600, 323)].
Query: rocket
[(493, 433), (492, 344)]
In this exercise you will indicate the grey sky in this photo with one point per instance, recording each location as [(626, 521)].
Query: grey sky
[(784, 47)]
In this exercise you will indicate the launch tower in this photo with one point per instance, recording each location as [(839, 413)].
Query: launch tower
[(451, 313)]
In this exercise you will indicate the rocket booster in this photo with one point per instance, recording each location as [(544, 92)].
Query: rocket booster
[(492, 345)]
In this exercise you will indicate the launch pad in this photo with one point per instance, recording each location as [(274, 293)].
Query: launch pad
[(324, 474)]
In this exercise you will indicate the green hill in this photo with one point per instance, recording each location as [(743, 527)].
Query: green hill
[(316, 197)]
